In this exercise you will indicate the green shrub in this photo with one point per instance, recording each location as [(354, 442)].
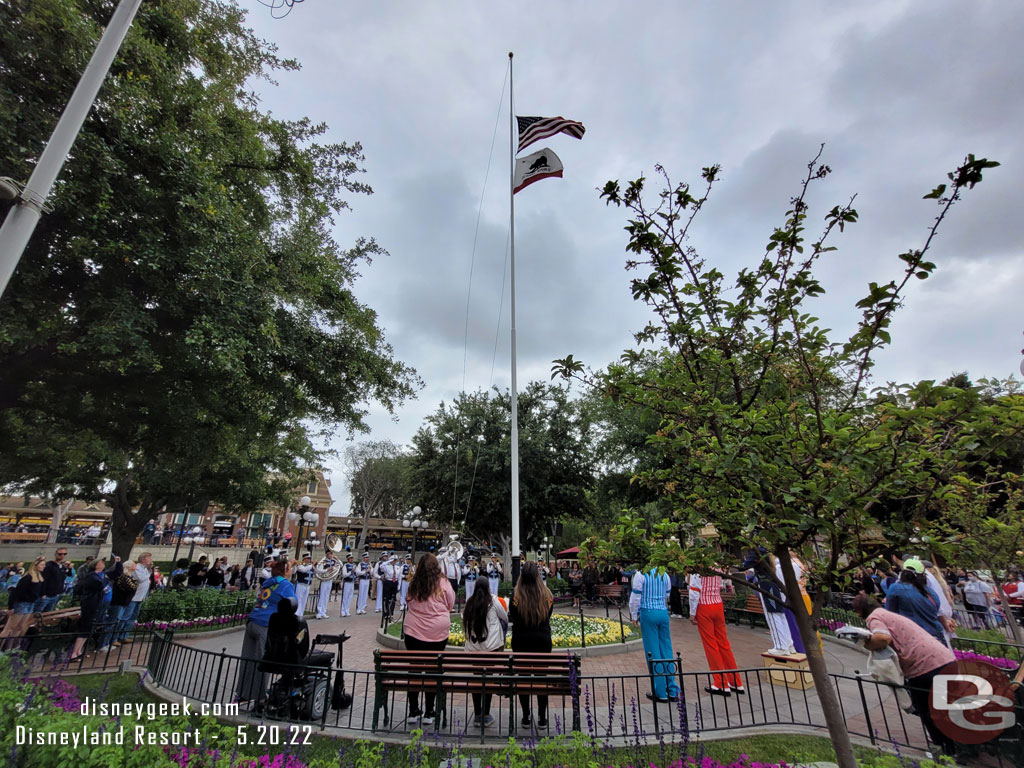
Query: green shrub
[(170, 604)]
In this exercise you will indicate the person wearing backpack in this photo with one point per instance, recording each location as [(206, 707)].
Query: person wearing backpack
[(485, 622)]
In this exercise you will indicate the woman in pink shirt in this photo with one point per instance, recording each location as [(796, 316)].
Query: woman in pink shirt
[(429, 602), (921, 658)]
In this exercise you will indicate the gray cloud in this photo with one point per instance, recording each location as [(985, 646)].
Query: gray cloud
[(899, 91)]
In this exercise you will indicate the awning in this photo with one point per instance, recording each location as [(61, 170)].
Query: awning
[(571, 551)]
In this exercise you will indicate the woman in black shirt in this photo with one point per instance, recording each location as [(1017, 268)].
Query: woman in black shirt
[(22, 601), (95, 583), (530, 616)]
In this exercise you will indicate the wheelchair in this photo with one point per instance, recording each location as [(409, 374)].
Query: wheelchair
[(303, 688)]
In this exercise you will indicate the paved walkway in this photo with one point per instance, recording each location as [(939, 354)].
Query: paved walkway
[(615, 703)]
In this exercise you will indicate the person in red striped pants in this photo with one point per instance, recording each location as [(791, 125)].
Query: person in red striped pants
[(710, 621)]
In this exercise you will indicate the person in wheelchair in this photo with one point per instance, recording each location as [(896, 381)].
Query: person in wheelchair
[(303, 685)]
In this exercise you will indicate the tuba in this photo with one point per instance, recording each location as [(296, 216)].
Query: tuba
[(452, 552), (332, 543)]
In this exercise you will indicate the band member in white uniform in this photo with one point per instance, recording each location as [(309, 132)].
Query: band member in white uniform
[(325, 588), (303, 581), (392, 572), (453, 572), (472, 572), (265, 570), (406, 576), (363, 577), (348, 583), (378, 574), (494, 574)]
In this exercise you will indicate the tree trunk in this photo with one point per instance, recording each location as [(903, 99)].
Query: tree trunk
[(126, 525), (506, 556), (816, 660), (1011, 619)]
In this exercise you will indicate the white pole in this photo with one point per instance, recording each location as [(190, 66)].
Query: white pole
[(22, 218), (512, 282)]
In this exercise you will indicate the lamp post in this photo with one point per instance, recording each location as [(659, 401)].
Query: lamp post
[(414, 521), (195, 537), (303, 516)]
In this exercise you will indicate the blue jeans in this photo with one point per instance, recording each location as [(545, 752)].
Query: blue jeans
[(658, 646), (112, 621), (128, 619), (44, 604)]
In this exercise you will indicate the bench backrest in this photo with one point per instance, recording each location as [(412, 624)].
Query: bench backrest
[(555, 672)]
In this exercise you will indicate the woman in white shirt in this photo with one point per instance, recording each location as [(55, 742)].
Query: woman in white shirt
[(484, 620)]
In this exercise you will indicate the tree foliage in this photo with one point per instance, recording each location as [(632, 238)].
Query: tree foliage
[(379, 477), (183, 322), (765, 422), (462, 463)]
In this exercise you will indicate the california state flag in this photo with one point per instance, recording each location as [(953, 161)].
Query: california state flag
[(543, 164)]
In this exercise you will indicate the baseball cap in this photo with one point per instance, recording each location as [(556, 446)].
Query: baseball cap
[(913, 564)]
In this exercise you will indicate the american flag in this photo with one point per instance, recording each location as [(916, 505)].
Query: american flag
[(533, 129)]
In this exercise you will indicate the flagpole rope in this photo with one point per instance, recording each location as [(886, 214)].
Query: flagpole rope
[(469, 296), (490, 382)]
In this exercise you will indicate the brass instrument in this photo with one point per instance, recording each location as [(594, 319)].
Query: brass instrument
[(333, 543), (452, 552)]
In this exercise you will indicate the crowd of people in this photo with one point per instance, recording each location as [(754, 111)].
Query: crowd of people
[(110, 598)]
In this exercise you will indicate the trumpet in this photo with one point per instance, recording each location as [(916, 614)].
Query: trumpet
[(333, 543)]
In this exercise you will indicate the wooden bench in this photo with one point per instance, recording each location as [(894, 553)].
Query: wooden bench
[(752, 612), (15, 536), (499, 674)]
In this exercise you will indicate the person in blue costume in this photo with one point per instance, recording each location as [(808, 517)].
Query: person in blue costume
[(647, 608)]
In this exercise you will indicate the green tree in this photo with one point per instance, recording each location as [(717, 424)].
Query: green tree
[(462, 464), (182, 323), (622, 452), (766, 423), (379, 476)]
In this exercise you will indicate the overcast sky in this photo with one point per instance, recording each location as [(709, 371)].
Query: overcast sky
[(898, 91)]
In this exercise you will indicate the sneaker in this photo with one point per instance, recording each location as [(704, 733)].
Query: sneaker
[(413, 719), (488, 720), (527, 721), (427, 719), (477, 719), (104, 649), (739, 689), (542, 722)]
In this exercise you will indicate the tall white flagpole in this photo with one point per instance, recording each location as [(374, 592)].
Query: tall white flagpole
[(512, 263)]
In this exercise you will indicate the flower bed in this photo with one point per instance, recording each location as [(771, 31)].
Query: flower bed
[(565, 631), (204, 622), (996, 661)]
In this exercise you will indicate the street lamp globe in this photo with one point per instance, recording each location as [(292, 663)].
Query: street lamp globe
[(406, 523), (293, 516), (305, 501), (417, 511), (311, 517)]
